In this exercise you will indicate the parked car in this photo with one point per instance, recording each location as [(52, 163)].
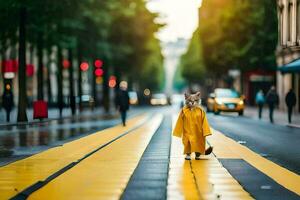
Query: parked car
[(159, 99), (133, 98), (86, 100), (225, 100)]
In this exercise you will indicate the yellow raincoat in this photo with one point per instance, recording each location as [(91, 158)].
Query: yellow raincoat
[(192, 126)]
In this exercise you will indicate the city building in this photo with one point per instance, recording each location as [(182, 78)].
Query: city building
[(288, 50), (172, 52)]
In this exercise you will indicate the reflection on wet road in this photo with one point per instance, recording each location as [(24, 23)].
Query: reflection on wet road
[(25, 140)]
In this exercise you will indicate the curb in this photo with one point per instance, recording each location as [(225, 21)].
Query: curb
[(54, 119), (293, 125)]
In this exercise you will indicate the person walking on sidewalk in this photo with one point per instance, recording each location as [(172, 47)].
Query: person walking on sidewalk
[(122, 101), (290, 101), (260, 100), (8, 101), (272, 100)]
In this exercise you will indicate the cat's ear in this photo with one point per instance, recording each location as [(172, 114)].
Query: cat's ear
[(186, 95), (198, 94)]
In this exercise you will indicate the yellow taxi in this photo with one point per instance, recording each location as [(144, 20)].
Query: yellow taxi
[(225, 100)]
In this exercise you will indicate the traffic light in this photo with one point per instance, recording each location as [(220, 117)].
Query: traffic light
[(66, 64), (7, 83), (7, 87), (84, 66), (98, 63), (98, 72), (112, 81)]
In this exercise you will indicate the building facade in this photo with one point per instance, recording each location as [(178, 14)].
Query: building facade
[(288, 50)]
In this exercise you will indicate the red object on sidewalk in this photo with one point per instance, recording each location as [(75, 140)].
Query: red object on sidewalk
[(40, 109)]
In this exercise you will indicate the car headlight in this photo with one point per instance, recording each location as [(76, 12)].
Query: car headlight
[(219, 102), (241, 102)]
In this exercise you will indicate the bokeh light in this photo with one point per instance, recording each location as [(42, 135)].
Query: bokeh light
[(98, 63), (99, 72), (84, 66), (66, 63), (99, 80), (29, 70), (112, 83), (147, 92)]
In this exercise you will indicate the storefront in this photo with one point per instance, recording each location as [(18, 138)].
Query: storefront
[(288, 50), (254, 81), (290, 78)]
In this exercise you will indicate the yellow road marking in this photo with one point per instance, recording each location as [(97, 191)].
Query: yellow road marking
[(19, 175), (200, 179), (225, 147), (105, 174), (181, 181)]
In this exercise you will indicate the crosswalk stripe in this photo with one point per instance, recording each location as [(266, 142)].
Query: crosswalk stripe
[(21, 174), (105, 174), (225, 147)]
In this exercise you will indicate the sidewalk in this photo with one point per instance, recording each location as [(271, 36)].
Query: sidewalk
[(53, 114), (280, 117), (75, 173)]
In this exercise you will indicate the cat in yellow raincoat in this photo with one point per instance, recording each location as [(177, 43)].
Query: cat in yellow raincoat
[(192, 126)]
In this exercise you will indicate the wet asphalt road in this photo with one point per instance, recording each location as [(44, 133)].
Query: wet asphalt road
[(26, 140), (278, 143)]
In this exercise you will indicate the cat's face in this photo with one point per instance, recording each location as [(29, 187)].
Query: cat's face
[(192, 100)]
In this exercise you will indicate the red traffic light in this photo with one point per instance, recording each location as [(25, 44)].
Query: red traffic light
[(99, 72), (98, 63), (84, 66), (66, 63), (112, 81)]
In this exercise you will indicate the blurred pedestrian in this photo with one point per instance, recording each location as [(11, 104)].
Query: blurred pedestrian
[(272, 100), (7, 101), (290, 101), (260, 100), (122, 101)]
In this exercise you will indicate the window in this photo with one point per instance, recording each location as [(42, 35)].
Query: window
[(290, 22), (281, 39)]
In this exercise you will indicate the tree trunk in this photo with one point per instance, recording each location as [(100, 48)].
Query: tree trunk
[(40, 72), (79, 77), (22, 104), (49, 91), (59, 80), (94, 91), (71, 83), (106, 101)]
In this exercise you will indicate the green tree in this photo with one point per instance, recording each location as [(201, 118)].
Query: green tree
[(121, 33), (238, 34)]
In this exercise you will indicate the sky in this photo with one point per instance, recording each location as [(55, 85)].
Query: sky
[(180, 16)]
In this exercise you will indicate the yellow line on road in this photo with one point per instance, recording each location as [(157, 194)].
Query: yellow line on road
[(105, 174), (19, 175), (225, 147), (200, 179)]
